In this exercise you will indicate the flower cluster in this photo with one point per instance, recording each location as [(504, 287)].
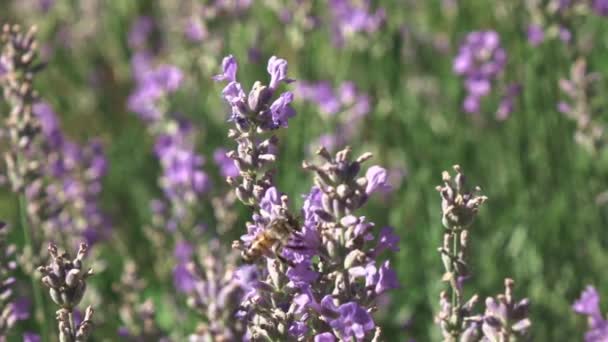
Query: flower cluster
[(589, 305), (297, 294), (346, 106), (218, 288), (554, 18), (66, 280), (579, 91), (255, 114), (338, 293), (480, 61), (183, 180), (60, 180), (349, 17), (64, 201)]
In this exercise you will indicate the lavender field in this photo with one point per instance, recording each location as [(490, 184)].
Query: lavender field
[(272, 170)]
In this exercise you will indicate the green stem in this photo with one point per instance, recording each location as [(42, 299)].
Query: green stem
[(38, 299), (72, 325)]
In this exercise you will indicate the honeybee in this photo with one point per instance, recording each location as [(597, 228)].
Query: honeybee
[(272, 239)]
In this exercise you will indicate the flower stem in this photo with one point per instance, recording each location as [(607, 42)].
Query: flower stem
[(38, 299)]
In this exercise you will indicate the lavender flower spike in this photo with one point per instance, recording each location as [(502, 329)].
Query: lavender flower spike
[(459, 207), (506, 319), (66, 280), (589, 305)]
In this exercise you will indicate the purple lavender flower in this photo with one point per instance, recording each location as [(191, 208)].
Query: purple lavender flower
[(277, 68), (31, 337), (350, 17), (225, 164), (347, 106), (536, 35), (140, 31), (506, 105), (195, 31), (183, 179), (73, 176), (600, 7), (320, 93), (153, 83), (589, 305), (229, 69), (353, 320), (218, 290), (480, 61)]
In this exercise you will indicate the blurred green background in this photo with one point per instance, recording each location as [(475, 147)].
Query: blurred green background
[(542, 225)]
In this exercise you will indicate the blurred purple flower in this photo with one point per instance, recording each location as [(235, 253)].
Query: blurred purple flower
[(536, 35), (600, 7), (31, 337), (506, 105), (479, 61), (350, 17), (225, 164), (589, 305), (140, 31), (195, 31)]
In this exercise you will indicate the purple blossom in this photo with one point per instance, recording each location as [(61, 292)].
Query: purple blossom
[(325, 337), (229, 67), (31, 337), (480, 61), (350, 17), (506, 105), (536, 35), (376, 179), (195, 31), (152, 84), (225, 164), (183, 177), (589, 305), (600, 7), (281, 109), (320, 93), (256, 108), (140, 31), (353, 320), (277, 68)]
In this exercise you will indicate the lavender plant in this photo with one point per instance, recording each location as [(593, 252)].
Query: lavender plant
[(580, 107), (504, 319), (137, 315), (66, 280), (319, 279), (480, 61), (218, 290), (589, 305)]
